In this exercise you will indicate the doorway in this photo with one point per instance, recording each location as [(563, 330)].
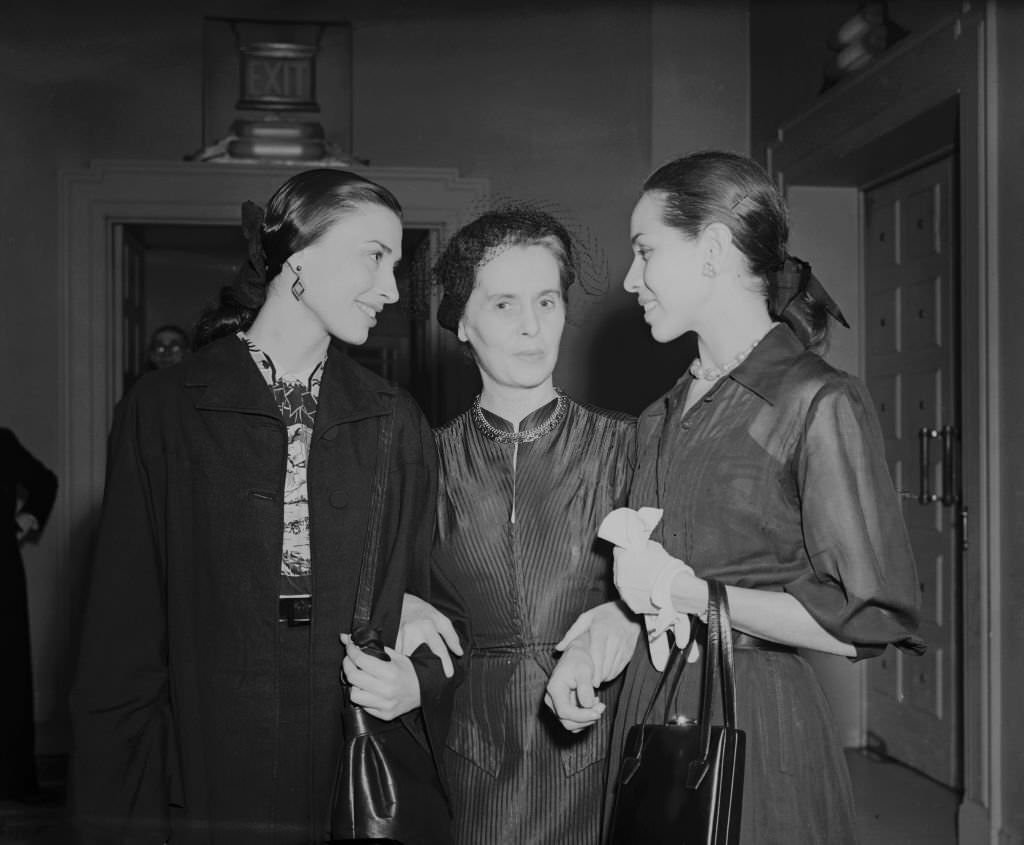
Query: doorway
[(168, 274)]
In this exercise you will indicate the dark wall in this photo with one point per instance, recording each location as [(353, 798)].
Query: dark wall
[(788, 53)]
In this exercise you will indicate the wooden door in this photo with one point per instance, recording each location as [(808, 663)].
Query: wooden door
[(912, 361), (129, 269)]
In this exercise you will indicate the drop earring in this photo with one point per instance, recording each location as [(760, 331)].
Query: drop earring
[(297, 287), (709, 270)]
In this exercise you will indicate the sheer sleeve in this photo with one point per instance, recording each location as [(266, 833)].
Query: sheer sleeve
[(862, 584)]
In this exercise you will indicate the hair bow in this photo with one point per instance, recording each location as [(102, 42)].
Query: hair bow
[(794, 278), (253, 216)]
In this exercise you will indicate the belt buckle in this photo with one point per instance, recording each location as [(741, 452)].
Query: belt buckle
[(295, 610)]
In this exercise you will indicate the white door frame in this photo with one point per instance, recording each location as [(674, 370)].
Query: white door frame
[(108, 193), (852, 136)]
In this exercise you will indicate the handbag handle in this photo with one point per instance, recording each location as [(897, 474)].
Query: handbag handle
[(368, 566), (676, 663), (718, 667)]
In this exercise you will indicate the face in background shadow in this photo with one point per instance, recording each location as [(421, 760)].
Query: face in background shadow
[(168, 346)]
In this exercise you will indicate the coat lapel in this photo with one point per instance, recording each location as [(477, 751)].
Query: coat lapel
[(222, 377), (347, 393)]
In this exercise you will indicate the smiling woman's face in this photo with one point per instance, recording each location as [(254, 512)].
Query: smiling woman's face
[(515, 316), (348, 274), (666, 273)]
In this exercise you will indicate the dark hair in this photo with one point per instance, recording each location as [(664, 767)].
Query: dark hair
[(297, 215), (475, 244), (721, 187)]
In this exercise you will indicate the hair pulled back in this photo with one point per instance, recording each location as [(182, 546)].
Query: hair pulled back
[(479, 241), (301, 210), (721, 187)]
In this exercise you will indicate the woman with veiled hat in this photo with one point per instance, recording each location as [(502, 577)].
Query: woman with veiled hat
[(527, 473), (239, 491), (770, 468)]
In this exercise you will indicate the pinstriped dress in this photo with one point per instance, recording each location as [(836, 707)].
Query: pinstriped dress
[(776, 480), (517, 535)]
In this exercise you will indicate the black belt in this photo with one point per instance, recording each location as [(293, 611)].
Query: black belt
[(295, 610), (748, 642)]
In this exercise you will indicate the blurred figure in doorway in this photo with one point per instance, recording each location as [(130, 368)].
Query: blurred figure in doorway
[(168, 346)]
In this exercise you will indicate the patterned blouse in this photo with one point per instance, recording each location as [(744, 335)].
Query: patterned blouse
[(296, 397)]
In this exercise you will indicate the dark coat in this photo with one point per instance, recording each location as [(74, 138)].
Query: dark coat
[(22, 479), (176, 703)]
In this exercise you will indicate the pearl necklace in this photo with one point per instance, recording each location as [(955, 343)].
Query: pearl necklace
[(699, 371), (522, 436)]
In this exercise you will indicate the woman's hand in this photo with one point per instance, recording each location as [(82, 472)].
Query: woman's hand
[(421, 624), (645, 576), (383, 688), (25, 526), (571, 691), (613, 631)]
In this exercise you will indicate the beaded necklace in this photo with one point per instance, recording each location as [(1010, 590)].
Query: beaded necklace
[(528, 435), (699, 371)]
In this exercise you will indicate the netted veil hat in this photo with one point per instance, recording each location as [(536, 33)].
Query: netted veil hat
[(583, 272)]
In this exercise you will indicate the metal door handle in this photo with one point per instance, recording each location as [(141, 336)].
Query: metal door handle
[(949, 496), (925, 436)]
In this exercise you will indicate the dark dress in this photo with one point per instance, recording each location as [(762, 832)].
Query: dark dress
[(24, 479), (776, 480), (198, 714), (517, 527)]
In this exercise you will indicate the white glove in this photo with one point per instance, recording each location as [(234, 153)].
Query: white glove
[(643, 576)]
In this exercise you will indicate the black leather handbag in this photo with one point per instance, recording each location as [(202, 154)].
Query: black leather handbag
[(388, 787), (681, 782)]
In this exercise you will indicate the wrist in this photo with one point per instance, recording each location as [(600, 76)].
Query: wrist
[(688, 595)]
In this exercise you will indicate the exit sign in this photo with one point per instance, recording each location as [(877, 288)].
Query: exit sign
[(278, 76)]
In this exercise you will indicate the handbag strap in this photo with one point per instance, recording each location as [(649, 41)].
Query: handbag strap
[(676, 663), (368, 567), (726, 659), (718, 667)]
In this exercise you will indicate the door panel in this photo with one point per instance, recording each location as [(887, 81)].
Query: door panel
[(130, 264), (912, 365)]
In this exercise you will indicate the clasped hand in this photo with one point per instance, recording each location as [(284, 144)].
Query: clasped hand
[(424, 624), (385, 689), (596, 648)]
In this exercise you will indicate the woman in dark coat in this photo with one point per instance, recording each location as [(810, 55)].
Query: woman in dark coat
[(526, 475), (27, 492), (770, 468), (207, 702)]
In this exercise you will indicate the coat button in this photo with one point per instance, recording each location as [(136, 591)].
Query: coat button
[(330, 434), (338, 499)]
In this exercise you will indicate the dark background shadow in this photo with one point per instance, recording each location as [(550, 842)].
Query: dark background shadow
[(628, 369)]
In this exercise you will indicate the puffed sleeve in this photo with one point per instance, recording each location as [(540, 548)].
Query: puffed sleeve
[(862, 585), (120, 702)]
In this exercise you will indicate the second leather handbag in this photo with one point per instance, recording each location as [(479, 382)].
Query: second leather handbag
[(681, 781), (387, 786)]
